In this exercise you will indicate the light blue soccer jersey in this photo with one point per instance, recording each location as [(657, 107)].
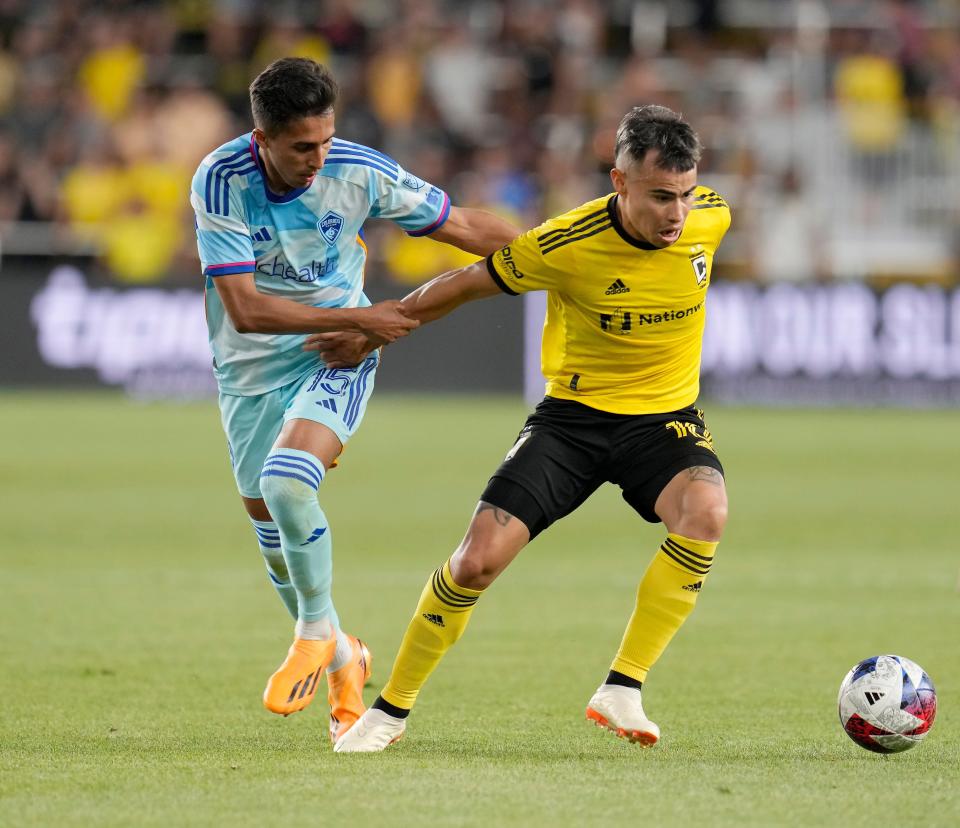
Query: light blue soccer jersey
[(304, 245)]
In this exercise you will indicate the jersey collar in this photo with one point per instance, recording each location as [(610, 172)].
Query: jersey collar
[(623, 234), (276, 199)]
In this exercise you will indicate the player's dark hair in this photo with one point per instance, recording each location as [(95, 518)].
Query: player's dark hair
[(650, 127), (290, 89)]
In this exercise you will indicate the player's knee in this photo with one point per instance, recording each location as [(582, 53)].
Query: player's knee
[(473, 569), (706, 521), (715, 516), (281, 492), (289, 480)]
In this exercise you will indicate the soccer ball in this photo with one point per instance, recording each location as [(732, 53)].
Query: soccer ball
[(887, 704)]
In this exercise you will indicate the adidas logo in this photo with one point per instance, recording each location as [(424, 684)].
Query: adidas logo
[(262, 235), (434, 618), (873, 697), (306, 686), (617, 287), (694, 587)]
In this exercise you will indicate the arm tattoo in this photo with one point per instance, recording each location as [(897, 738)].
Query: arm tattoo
[(705, 473), (499, 515)]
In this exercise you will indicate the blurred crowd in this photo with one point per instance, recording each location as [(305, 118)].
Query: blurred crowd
[(833, 129)]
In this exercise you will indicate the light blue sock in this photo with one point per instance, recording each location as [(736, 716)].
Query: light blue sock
[(268, 537), (289, 483)]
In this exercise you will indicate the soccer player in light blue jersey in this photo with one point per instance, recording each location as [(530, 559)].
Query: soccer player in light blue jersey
[(279, 212)]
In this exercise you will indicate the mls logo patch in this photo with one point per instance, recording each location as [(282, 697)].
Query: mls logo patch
[(330, 226), (700, 267), (414, 183)]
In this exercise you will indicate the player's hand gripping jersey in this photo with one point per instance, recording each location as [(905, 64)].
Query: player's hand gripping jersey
[(304, 245), (625, 320)]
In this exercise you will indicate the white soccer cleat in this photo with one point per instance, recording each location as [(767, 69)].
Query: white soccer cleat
[(618, 709), (372, 732)]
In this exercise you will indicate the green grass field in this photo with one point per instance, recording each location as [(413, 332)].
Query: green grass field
[(137, 628)]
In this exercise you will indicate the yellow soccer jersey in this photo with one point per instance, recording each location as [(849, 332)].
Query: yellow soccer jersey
[(624, 325)]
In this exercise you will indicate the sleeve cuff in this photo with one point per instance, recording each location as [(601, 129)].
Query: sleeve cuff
[(436, 225), (229, 268), (498, 278)]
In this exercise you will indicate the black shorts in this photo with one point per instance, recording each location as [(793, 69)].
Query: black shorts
[(567, 450)]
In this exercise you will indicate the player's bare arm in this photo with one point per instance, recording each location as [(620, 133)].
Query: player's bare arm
[(446, 292), (430, 301), (254, 312), (475, 231)]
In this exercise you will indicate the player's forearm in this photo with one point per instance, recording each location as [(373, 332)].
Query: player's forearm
[(272, 314), (447, 292)]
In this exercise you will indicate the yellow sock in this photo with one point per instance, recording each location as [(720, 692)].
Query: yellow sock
[(665, 598), (440, 619)]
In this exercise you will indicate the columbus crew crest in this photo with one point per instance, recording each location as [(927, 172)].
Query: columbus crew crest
[(699, 263)]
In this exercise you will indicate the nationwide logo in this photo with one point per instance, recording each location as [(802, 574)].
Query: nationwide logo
[(617, 287), (434, 618), (624, 322), (694, 587)]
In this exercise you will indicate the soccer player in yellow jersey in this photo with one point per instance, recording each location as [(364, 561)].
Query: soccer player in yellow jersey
[(626, 277)]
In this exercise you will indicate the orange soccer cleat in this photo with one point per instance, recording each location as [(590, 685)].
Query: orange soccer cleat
[(292, 687), (346, 689)]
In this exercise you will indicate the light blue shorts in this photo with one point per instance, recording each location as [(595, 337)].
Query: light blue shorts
[(335, 397)]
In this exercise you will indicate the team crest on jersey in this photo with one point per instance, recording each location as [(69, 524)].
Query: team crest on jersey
[(414, 183), (699, 263), (330, 226)]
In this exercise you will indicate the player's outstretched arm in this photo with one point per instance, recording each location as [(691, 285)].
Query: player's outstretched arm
[(448, 291), (430, 301), (255, 312), (475, 231)]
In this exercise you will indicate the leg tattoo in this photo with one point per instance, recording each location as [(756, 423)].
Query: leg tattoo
[(499, 515), (705, 473)]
